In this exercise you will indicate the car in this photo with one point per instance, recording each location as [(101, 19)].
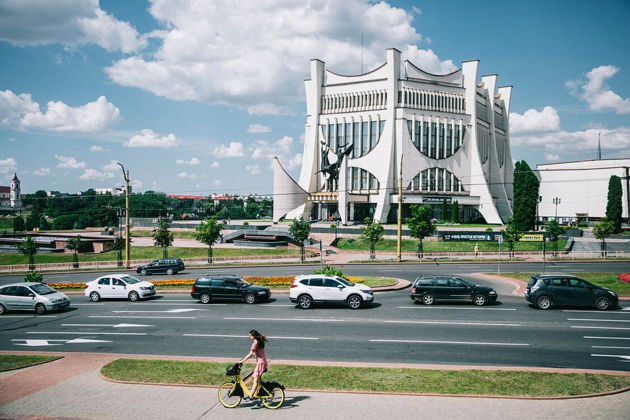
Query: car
[(119, 286), (163, 265), (227, 287), (308, 289), (37, 297), (429, 289), (545, 291)]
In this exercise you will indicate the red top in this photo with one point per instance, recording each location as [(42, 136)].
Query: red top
[(258, 351)]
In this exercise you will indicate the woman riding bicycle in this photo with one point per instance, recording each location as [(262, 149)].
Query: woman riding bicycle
[(258, 350)]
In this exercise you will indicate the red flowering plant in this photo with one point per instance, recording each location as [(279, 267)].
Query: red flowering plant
[(624, 277)]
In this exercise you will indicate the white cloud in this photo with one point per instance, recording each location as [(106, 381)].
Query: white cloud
[(535, 121), (253, 169), (96, 149), (191, 162), (552, 157), (136, 184), (215, 164), (220, 52), (261, 149), (149, 138), (617, 139), (93, 174), (19, 111), (42, 172), (186, 175), (596, 93), (68, 22), (66, 162), (258, 128), (217, 182), (7, 165), (112, 166), (235, 149)]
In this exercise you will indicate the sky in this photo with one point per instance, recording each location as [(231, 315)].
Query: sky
[(197, 96)]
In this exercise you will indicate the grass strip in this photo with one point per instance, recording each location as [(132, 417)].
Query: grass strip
[(608, 280), (11, 361), (464, 382), (411, 245)]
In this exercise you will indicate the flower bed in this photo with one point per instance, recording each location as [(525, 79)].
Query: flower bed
[(624, 277)]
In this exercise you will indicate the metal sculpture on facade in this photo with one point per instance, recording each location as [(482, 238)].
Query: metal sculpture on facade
[(332, 169)]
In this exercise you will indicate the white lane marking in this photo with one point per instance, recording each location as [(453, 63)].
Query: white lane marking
[(82, 332), (606, 338), (287, 319), (598, 320), (86, 304), (593, 311), (29, 316), (266, 305), (37, 343), (599, 328), (107, 325), (244, 336), (462, 309), (170, 311), (611, 355), (472, 343), (611, 347), (141, 317), (481, 324)]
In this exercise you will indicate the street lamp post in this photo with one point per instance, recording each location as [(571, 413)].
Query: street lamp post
[(556, 201), (127, 249)]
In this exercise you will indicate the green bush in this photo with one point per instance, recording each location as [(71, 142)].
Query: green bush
[(329, 270), (33, 276), (246, 223)]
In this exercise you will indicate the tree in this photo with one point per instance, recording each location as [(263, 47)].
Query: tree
[(420, 225), (74, 244), (444, 213), (162, 236), (554, 230), (614, 208), (118, 245), (18, 224), (603, 230), (29, 248), (300, 229), (455, 211), (208, 232), (510, 236), (526, 186), (372, 233)]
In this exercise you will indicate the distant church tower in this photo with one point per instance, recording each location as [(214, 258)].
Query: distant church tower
[(15, 198)]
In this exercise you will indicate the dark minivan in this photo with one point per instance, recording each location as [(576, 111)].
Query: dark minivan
[(428, 289), (164, 265), (227, 287), (548, 290)]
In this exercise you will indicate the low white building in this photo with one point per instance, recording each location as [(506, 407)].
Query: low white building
[(578, 191)]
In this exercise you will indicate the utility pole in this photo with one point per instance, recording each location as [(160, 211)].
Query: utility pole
[(127, 249), (627, 178), (400, 201)]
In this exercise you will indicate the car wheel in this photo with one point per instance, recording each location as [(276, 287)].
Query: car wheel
[(354, 301), (40, 309), (305, 301), (205, 298), (169, 271), (134, 296), (479, 299), (602, 303), (544, 302), (3, 309), (250, 298), (143, 272), (428, 299), (95, 297)]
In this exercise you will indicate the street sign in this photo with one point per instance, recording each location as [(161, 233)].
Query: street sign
[(532, 237)]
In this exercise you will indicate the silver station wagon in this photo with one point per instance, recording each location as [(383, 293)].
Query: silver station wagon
[(36, 297)]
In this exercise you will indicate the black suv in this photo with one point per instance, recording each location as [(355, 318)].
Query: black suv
[(226, 286), (548, 290), (164, 265), (431, 288)]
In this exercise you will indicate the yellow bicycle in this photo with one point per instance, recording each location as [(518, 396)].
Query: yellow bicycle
[(270, 394)]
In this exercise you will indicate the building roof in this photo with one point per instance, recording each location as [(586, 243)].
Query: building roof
[(5, 189)]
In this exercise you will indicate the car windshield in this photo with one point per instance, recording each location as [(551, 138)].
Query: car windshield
[(243, 283), (344, 281), (42, 289), (464, 281), (130, 279)]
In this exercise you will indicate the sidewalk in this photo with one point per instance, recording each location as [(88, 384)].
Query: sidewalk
[(72, 388)]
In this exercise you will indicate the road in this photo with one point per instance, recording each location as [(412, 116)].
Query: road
[(510, 333)]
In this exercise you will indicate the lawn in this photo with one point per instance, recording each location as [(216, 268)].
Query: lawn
[(608, 280), (409, 245), (178, 234), (10, 361), (336, 378)]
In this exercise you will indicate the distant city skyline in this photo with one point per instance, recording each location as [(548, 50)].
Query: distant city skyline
[(198, 97)]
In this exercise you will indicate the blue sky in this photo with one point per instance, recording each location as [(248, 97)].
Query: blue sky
[(196, 96)]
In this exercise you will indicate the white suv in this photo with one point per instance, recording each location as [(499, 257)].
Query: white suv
[(118, 286), (311, 288)]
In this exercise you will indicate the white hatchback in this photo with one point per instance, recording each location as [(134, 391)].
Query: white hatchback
[(307, 289), (121, 286)]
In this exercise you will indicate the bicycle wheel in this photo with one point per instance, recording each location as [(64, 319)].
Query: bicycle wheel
[(274, 397), (227, 396)]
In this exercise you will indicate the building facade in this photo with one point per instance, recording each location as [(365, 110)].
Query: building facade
[(11, 196), (446, 136)]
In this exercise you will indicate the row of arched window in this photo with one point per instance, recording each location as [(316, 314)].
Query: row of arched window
[(363, 135), (435, 180), (354, 101), (436, 140), (431, 100)]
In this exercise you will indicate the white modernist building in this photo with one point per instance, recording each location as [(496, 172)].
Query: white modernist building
[(447, 134), (578, 191)]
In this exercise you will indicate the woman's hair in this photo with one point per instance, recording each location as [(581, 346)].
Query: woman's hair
[(260, 339)]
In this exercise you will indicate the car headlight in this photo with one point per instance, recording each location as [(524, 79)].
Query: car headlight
[(262, 292), (145, 288), (612, 293), (492, 292), (369, 292)]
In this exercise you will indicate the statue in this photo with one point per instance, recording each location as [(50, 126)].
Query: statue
[(332, 169)]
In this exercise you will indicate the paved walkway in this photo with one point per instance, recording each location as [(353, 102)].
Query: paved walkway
[(72, 388)]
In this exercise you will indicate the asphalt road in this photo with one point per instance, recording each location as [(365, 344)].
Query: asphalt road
[(509, 333)]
